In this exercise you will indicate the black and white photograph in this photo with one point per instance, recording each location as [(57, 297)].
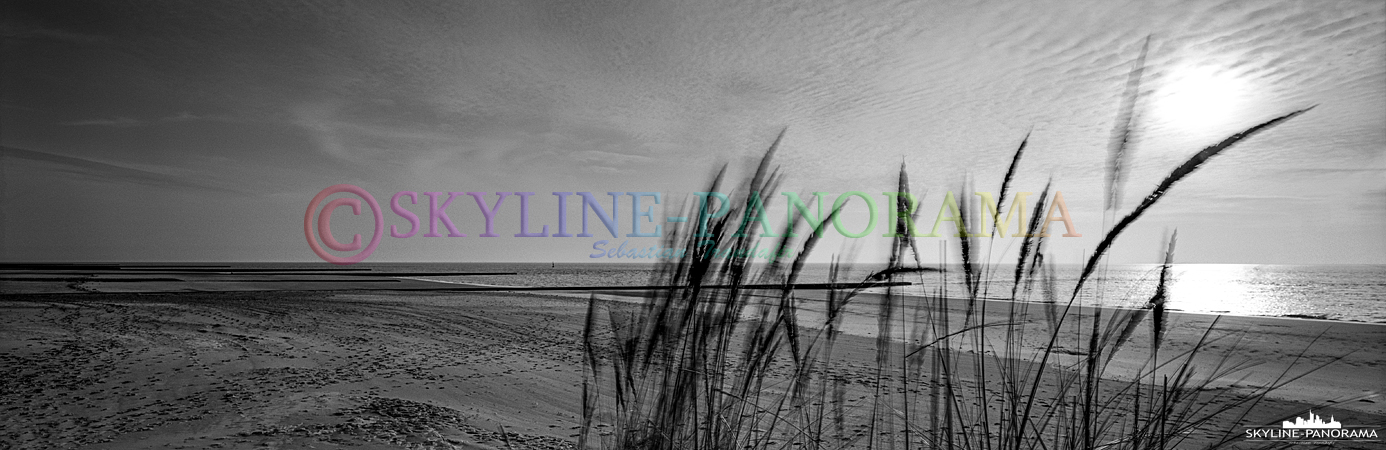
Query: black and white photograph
[(692, 224)]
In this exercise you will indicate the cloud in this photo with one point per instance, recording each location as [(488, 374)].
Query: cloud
[(127, 122), (1332, 171), (184, 116), (86, 169), (27, 32), (601, 157), (660, 92), (119, 122)]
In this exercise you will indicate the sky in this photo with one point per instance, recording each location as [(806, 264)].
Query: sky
[(201, 131)]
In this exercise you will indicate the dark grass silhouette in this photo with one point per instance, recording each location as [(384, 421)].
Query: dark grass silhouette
[(719, 363)]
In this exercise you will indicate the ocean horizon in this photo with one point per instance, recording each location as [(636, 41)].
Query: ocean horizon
[(1345, 292)]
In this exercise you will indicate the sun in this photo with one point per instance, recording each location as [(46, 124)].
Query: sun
[(1199, 99)]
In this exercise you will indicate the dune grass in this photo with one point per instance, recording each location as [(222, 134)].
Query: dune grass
[(716, 364)]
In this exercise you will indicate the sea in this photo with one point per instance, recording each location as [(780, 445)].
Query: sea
[(1328, 292)]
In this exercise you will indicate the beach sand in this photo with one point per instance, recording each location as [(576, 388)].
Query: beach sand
[(422, 369)]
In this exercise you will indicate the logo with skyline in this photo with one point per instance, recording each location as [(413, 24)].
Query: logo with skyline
[(1313, 429), (1314, 421)]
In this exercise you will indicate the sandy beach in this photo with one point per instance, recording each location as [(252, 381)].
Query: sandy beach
[(424, 369), (288, 370)]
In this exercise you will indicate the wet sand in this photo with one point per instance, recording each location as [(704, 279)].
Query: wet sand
[(419, 369)]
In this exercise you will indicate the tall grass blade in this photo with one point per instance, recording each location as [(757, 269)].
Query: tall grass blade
[(1118, 145), (1188, 167)]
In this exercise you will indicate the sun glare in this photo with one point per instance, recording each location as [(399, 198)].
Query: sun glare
[(1199, 100)]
